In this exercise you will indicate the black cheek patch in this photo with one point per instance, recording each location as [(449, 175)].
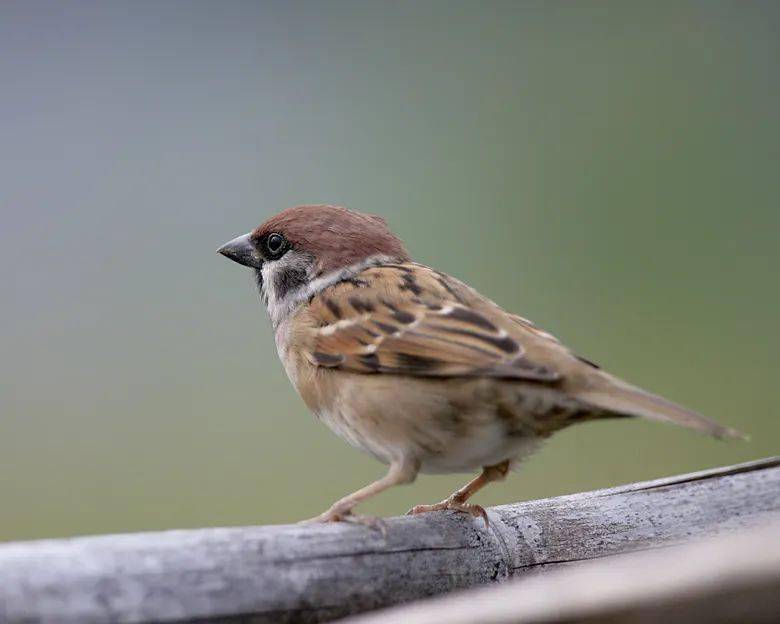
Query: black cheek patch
[(289, 280)]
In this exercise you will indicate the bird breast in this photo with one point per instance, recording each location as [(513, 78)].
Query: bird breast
[(444, 425)]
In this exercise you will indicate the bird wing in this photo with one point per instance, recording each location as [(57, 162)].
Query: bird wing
[(408, 319), (411, 320)]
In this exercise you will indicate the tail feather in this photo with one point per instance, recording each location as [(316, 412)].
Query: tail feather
[(618, 397)]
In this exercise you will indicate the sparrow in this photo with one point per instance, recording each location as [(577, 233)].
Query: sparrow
[(415, 367)]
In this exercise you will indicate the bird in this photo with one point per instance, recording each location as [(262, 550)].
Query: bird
[(415, 367)]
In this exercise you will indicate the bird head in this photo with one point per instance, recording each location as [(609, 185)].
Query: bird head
[(304, 245)]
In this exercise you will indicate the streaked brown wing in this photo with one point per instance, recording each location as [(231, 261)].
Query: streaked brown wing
[(410, 320)]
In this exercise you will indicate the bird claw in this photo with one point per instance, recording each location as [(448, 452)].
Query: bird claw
[(476, 511), (335, 515)]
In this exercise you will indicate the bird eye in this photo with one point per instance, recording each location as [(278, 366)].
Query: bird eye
[(275, 243)]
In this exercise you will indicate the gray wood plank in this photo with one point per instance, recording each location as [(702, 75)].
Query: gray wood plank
[(719, 580), (318, 573)]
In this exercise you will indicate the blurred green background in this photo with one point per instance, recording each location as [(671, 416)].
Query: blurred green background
[(608, 169)]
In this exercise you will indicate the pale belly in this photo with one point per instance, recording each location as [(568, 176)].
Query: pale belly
[(445, 427), (488, 446)]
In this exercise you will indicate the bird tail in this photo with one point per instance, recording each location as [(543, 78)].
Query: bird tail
[(620, 398)]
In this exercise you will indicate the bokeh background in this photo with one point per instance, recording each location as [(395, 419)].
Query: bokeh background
[(608, 169)]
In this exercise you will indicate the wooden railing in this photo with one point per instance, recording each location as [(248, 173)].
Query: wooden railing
[(304, 573)]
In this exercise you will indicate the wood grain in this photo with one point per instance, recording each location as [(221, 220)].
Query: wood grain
[(719, 580), (319, 573)]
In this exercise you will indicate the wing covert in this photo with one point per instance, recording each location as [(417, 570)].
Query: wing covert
[(413, 326)]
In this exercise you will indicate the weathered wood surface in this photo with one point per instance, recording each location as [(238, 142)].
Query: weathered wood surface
[(318, 573), (727, 579)]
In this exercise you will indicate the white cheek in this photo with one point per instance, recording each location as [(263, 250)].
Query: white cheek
[(281, 304), (268, 273)]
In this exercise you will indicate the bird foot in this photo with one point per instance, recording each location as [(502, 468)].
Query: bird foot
[(338, 515), (455, 505)]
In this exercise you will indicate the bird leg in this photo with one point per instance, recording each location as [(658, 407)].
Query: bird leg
[(457, 501), (341, 511)]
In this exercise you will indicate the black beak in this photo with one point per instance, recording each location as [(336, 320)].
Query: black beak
[(242, 250)]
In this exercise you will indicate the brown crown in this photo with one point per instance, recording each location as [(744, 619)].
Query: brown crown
[(335, 236)]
